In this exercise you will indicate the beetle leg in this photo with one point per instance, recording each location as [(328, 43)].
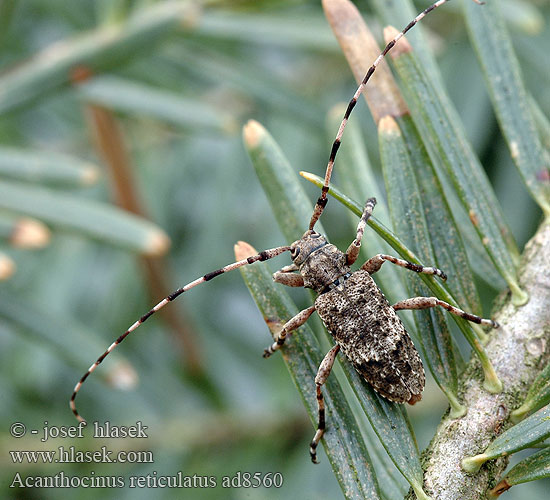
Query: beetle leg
[(322, 374), (428, 302), (375, 263), (353, 250), (289, 326)]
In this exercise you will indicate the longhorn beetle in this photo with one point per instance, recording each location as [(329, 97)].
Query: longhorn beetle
[(364, 325)]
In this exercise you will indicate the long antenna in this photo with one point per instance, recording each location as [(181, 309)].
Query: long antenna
[(265, 255), (322, 200)]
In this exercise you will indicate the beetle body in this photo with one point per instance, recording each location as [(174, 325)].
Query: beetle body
[(373, 338), (361, 320)]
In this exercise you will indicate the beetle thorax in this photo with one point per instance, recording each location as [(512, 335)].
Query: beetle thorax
[(320, 263)]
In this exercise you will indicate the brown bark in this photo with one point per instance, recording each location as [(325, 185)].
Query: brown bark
[(517, 350)]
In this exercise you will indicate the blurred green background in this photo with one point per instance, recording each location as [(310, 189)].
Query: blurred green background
[(179, 92)]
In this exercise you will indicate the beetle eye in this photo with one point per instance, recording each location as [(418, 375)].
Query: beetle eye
[(294, 252), (315, 235)]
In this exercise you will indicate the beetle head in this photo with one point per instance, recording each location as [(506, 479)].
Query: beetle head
[(301, 249)]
